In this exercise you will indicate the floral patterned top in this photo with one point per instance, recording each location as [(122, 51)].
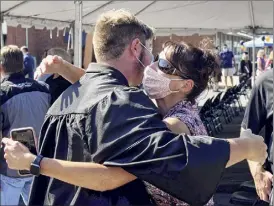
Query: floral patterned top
[(188, 113)]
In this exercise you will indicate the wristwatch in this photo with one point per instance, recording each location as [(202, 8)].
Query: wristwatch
[(35, 166)]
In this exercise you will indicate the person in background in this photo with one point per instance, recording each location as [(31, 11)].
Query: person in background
[(246, 69), (57, 84), (258, 115), (24, 103), (112, 122), (28, 63), (246, 65), (261, 62), (269, 63), (228, 65), (44, 76), (217, 74), (71, 53)]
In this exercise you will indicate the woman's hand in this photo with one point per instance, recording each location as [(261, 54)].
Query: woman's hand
[(49, 65)]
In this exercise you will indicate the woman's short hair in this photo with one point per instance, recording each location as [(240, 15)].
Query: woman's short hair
[(192, 63)]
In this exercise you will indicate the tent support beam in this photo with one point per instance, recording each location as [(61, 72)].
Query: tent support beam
[(14, 7), (254, 70), (100, 7), (37, 18), (143, 9), (78, 34), (1, 34), (251, 11)]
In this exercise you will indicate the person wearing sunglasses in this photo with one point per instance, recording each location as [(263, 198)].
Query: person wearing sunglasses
[(175, 81)]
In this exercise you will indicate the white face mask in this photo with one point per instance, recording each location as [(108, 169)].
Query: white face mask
[(225, 49), (152, 57), (155, 84)]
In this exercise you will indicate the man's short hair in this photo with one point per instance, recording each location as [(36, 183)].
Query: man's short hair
[(24, 49), (114, 31), (60, 52), (11, 59)]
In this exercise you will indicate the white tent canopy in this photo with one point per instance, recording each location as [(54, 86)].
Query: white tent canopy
[(177, 17), (166, 16)]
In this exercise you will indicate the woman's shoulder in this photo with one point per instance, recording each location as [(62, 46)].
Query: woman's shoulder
[(188, 114)]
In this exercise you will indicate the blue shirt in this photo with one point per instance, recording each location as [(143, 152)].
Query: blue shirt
[(28, 65), (226, 59)]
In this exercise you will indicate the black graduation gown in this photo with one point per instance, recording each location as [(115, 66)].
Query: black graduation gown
[(101, 119)]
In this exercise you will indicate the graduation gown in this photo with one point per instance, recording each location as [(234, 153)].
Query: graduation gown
[(101, 119)]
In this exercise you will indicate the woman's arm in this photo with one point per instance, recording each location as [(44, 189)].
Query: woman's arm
[(55, 64), (176, 126), (268, 63), (259, 62), (71, 72), (236, 153)]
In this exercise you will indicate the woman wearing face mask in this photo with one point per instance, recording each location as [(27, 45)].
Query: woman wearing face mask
[(175, 81), (179, 76), (261, 62)]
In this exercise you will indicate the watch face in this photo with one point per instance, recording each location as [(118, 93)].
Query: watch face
[(35, 169)]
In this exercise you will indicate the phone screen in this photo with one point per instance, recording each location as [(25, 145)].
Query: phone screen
[(26, 137)]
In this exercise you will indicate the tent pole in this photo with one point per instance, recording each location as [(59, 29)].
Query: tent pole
[(1, 32), (2, 36), (78, 34), (254, 59), (27, 37)]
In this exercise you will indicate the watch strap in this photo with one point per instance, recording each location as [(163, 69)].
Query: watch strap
[(35, 165)]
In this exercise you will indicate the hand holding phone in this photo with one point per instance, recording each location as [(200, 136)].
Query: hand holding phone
[(26, 136)]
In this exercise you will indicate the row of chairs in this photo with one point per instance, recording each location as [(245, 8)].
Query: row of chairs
[(223, 107)]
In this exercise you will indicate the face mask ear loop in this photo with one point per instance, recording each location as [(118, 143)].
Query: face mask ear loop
[(140, 62), (176, 90), (150, 52)]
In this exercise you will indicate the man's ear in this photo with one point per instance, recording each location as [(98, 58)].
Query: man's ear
[(135, 48)]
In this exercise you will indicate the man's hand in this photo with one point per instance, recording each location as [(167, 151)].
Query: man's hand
[(17, 156), (49, 65), (257, 149), (263, 181)]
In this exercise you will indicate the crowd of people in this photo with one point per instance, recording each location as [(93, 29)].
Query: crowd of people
[(101, 140)]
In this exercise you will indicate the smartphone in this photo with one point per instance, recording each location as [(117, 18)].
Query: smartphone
[(26, 136)]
